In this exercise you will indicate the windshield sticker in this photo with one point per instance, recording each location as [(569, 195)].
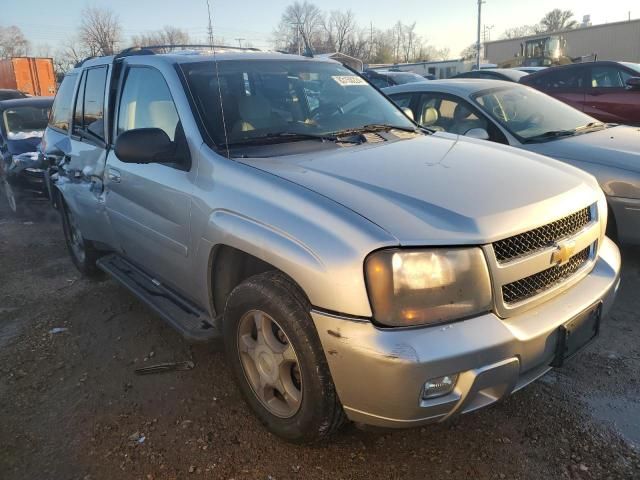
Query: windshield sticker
[(348, 80)]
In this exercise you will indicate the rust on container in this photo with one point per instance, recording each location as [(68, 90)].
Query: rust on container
[(30, 75)]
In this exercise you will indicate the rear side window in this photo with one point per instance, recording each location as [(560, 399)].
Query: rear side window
[(561, 79), (89, 110), (607, 77), (61, 111), (146, 102)]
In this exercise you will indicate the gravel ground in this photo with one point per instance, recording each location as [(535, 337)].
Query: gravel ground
[(72, 407)]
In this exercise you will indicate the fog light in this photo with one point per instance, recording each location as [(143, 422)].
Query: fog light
[(439, 386)]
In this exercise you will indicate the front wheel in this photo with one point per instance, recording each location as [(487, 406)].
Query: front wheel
[(83, 253), (278, 361)]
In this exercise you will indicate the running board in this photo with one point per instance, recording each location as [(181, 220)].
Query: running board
[(193, 323)]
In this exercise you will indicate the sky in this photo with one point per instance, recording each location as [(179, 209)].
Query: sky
[(444, 23)]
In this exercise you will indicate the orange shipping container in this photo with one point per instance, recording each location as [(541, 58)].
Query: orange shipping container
[(30, 75)]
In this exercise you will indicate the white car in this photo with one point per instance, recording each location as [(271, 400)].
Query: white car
[(516, 115)]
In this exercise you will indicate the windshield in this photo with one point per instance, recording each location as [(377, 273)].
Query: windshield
[(263, 99), (25, 122), (527, 113), (402, 78), (632, 66)]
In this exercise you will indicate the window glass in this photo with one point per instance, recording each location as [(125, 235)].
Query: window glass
[(403, 100), (528, 113), (380, 82), (25, 122), (93, 105), (287, 96), (61, 111), (606, 77), (565, 78), (146, 102), (78, 123), (449, 115), (402, 78)]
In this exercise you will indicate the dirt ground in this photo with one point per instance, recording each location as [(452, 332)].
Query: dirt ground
[(71, 406)]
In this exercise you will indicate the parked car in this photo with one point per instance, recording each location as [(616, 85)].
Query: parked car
[(522, 117), (530, 69), (506, 74), (22, 166), (8, 94), (354, 264), (384, 78), (429, 76), (608, 91)]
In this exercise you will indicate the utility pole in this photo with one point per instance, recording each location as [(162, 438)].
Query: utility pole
[(239, 40), (480, 2), (210, 27)]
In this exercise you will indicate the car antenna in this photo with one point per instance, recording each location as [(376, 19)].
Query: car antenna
[(215, 62)]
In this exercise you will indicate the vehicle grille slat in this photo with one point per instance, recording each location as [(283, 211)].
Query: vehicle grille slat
[(542, 237), (532, 285)]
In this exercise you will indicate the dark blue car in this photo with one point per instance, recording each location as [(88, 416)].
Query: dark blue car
[(22, 166)]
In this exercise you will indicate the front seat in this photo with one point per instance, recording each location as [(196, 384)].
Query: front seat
[(255, 113), (461, 121), (429, 118)]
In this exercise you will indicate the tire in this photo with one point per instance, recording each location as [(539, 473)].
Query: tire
[(13, 199), (271, 298), (83, 253)]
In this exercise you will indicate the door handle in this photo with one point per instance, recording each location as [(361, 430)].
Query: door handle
[(113, 175)]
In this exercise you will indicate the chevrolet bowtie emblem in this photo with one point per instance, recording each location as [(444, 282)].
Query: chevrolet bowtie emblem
[(563, 253)]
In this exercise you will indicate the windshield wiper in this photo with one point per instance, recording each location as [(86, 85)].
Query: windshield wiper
[(551, 134), (279, 137), (374, 127), (590, 125)]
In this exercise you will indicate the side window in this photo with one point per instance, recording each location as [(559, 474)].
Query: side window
[(403, 100), (146, 102), (562, 79), (379, 82), (61, 110), (606, 77), (88, 113), (450, 115)]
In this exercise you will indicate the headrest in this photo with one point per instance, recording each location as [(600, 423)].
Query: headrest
[(429, 116), (461, 112)]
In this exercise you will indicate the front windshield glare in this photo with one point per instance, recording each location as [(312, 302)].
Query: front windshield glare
[(260, 98), (25, 122), (527, 113)]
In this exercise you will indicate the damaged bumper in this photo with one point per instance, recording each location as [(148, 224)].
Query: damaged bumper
[(380, 373)]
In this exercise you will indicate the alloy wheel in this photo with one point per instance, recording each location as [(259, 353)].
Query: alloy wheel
[(270, 363)]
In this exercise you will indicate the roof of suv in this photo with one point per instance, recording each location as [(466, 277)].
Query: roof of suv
[(190, 56)]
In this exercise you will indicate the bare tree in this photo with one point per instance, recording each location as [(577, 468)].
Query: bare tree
[(13, 43), (469, 52), (299, 20), (100, 31), (168, 35), (339, 27), (521, 31), (557, 19)]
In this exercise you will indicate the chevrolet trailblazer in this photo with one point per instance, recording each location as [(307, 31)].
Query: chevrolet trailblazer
[(356, 266)]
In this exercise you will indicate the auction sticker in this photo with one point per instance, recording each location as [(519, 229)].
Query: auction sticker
[(348, 80)]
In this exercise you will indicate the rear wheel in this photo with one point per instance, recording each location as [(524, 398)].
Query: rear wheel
[(278, 361), (83, 253)]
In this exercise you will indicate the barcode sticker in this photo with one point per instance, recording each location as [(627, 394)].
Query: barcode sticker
[(348, 80)]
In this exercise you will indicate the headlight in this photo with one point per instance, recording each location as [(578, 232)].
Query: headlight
[(427, 286)]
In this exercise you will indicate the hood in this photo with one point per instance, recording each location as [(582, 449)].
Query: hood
[(617, 147), (16, 147), (441, 189)]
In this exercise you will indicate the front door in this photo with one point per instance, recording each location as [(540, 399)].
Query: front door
[(149, 204), (607, 96)]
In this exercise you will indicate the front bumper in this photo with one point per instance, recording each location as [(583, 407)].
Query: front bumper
[(379, 373)]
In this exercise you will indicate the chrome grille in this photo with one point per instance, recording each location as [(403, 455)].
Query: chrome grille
[(534, 284), (541, 237)]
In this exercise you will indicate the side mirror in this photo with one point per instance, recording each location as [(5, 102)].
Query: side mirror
[(479, 133), (633, 83), (408, 112), (144, 145)]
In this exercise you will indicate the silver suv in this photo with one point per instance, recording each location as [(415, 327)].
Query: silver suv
[(356, 266)]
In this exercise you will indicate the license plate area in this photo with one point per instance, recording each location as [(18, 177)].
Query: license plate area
[(577, 333)]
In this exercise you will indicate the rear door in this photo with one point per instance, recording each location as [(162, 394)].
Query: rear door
[(149, 204), (607, 97), (565, 84)]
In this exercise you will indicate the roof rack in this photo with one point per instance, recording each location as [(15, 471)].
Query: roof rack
[(137, 50)]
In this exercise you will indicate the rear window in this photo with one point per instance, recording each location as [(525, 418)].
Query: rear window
[(61, 111)]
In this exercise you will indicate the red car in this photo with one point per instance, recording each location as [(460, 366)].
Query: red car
[(608, 91)]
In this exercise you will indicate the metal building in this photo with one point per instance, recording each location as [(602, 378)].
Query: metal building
[(610, 41)]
